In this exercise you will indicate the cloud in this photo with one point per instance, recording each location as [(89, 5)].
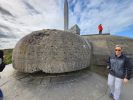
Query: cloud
[(29, 15), (7, 43), (115, 15)]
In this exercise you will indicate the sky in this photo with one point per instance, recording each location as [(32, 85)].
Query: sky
[(20, 17)]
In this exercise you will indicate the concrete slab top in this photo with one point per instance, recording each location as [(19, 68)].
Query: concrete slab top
[(81, 85)]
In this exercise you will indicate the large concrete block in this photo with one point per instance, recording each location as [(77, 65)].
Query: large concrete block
[(51, 51)]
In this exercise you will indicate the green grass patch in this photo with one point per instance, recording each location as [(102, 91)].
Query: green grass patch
[(8, 56)]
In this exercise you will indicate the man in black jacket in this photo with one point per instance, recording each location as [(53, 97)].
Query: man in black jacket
[(119, 72), (2, 66), (1, 56)]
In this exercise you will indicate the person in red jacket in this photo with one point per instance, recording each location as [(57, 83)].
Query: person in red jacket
[(100, 28)]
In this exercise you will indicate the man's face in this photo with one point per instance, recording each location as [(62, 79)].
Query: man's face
[(118, 51)]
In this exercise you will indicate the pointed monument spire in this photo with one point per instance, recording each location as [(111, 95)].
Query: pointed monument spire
[(66, 16)]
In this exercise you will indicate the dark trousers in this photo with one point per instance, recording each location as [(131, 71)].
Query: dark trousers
[(100, 31), (1, 95)]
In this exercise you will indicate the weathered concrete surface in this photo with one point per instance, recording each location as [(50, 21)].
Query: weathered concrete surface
[(81, 85), (103, 46), (51, 51)]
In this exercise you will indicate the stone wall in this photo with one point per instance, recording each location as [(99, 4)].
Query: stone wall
[(103, 46)]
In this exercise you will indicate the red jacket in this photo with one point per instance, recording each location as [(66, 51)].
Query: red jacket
[(100, 27)]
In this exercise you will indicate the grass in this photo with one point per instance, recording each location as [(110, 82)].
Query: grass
[(8, 56)]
